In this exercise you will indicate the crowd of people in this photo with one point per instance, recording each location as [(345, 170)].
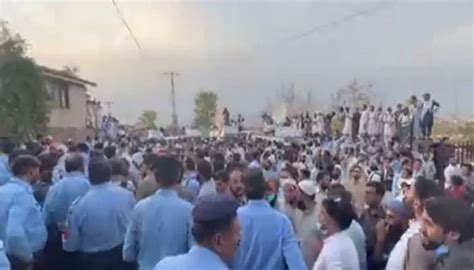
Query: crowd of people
[(316, 202), (404, 122)]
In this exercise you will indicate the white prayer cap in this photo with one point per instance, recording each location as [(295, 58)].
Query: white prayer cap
[(63, 148), (308, 187), (375, 178)]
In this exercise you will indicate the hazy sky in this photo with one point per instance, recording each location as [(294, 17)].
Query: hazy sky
[(245, 50)]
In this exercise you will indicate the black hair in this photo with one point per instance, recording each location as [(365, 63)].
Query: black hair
[(99, 146), (406, 161), (23, 163), (234, 166), (149, 159), (189, 164), (409, 172), (218, 165), (255, 154), (306, 173), (236, 157), (117, 166), (205, 230), (222, 175), (204, 169), (94, 154), (336, 187), (425, 189), (452, 215), (74, 163), (48, 161), (457, 180), (320, 175), (219, 156), (99, 171), (340, 209), (83, 147), (73, 147), (379, 188), (168, 170), (15, 153), (110, 151), (291, 170), (255, 185)]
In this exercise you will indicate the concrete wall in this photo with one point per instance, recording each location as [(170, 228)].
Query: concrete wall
[(77, 134), (75, 115)]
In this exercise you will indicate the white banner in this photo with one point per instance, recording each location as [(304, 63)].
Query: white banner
[(285, 132)]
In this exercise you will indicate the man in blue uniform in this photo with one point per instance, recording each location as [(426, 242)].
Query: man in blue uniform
[(97, 222), (6, 149), (161, 224), (7, 155), (58, 200), (21, 224), (4, 263), (268, 239), (217, 233)]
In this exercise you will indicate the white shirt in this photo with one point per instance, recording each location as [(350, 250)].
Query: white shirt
[(449, 172), (208, 188), (396, 260), (338, 253), (427, 107), (254, 164), (307, 231)]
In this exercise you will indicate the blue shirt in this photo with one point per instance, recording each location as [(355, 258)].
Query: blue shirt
[(4, 159), (267, 239), (5, 174), (191, 185), (160, 226), (21, 224), (396, 182), (61, 196), (4, 263), (98, 221), (198, 258)]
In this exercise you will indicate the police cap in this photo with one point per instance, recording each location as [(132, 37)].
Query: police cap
[(214, 207)]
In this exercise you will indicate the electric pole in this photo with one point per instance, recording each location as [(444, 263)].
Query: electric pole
[(174, 115)]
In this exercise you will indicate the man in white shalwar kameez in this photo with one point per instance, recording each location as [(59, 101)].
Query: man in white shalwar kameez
[(364, 122)]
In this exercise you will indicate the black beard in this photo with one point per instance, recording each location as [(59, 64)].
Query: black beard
[(301, 206), (430, 245)]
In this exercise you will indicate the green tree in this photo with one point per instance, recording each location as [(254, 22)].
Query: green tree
[(23, 96), (205, 106), (148, 119)]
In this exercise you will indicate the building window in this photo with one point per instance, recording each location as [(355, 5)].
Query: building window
[(63, 96)]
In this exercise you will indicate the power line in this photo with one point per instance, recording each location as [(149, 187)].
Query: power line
[(129, 29), (335, 23)]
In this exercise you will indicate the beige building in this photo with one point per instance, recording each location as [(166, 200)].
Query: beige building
[(73, 113)]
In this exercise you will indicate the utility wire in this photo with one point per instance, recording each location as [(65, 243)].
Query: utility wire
[(335, 23), (129, 29)]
